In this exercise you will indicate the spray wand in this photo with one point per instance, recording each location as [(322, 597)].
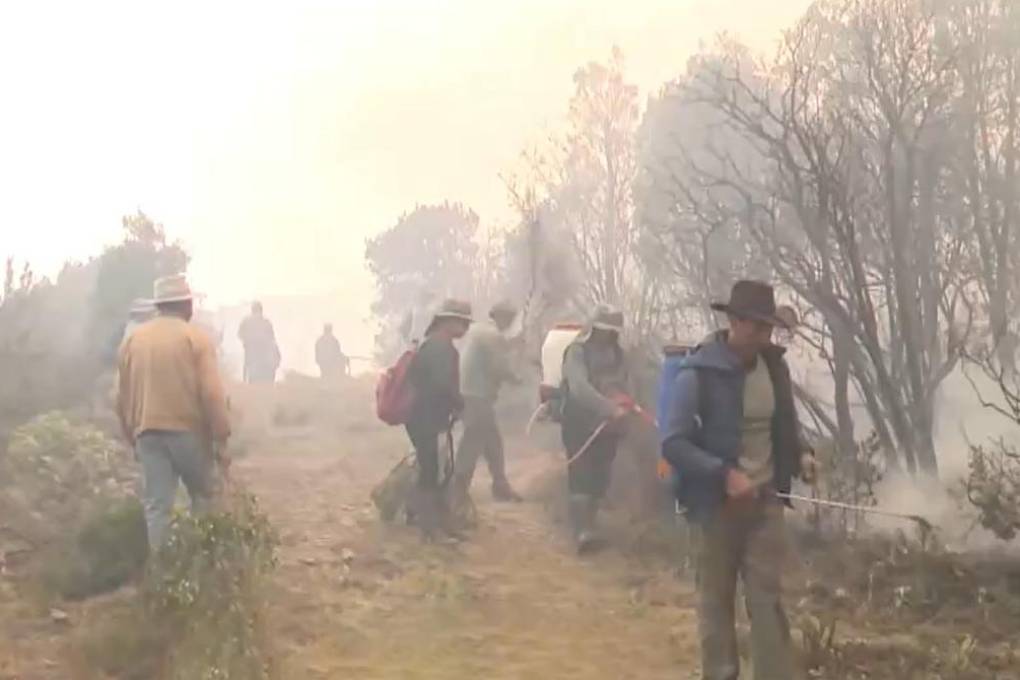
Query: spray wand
[(924, 524)]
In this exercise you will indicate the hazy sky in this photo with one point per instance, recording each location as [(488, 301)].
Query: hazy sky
[(274, 137)]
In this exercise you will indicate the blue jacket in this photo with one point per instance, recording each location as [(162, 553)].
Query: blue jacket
[(703, 430)]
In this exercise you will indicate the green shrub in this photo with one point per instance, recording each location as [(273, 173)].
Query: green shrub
[(109, 551), (204, 583), (57, 471), (199, 613)]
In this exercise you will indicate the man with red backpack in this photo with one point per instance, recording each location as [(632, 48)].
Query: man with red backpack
[(434, 380)]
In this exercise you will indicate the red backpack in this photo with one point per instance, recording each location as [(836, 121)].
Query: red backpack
[(394, 394)]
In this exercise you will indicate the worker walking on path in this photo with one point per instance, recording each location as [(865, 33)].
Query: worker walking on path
[(332, 361), (485, 366), (733, 437), (261, 353), (435, 380), (172, 406), (595, 383)]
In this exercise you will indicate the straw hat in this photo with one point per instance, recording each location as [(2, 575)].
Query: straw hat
[(451, 308), (171, 289)]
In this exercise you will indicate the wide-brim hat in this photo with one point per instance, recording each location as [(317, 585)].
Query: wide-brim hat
[(171, 289), (504, 308), (605, 318), (452, 308), (754, 300)]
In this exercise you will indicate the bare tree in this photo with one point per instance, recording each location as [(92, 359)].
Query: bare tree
[(850, 200), (986, 172), (585, 186), (692, 237), (433, 248)]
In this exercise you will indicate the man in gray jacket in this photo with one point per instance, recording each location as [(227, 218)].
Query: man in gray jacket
[(595, 385), (485, 366)]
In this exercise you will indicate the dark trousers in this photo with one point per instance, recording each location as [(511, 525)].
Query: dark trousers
[(425, 439), (590, 474)]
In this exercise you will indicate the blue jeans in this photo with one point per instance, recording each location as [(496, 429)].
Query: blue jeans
[(169, 457)]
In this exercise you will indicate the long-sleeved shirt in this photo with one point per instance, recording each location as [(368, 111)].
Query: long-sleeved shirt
[(435, 377), (592, 374), (485, 363), (169, 380)]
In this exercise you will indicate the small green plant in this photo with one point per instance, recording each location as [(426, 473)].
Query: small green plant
[(993, 488), (199, 611), (58, 470), (109, 551), (818, 641), (204, 583)]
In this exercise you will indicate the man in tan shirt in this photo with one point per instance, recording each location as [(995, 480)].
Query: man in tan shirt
[(172, 405)]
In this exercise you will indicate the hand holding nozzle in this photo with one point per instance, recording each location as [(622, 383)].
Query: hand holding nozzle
[(809, 468)]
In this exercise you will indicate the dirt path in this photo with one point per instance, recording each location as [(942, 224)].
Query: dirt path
[(513, 602)]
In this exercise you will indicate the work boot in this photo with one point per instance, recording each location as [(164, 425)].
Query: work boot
[(426, 508), (455, 516), (504, 493), (582, 521), (588, 538)]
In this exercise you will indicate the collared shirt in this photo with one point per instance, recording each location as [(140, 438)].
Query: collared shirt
[(485, 362), (593, 374)]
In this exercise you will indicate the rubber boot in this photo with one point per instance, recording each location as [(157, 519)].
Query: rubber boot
[(588, 538), (452, 515), (504, 493), (576, 511), (425, 509), (582, 519)]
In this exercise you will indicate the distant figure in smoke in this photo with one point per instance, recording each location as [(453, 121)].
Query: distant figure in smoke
[(172, 406), (140, 312), (261, 353), (331, 359)]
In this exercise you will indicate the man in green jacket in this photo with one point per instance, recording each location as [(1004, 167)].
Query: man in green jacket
[(595, 379), (485, 366)]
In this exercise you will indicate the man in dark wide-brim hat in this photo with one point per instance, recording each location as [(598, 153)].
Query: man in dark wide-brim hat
[(733, 437)]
